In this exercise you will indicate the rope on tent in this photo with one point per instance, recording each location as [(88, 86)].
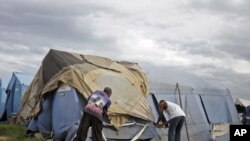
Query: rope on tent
[(177, 88), (104, 137), (137, 136)]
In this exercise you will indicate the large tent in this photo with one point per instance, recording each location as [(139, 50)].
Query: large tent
[(14, 93), (209, 107), (65, 80)]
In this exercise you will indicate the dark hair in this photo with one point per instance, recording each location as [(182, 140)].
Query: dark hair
[(108, 90), (163, 101)]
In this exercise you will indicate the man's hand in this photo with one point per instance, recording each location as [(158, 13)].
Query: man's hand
[(159, 125)]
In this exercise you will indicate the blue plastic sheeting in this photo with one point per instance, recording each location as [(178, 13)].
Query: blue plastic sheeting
[(61, 113), (220, 109), (2, 101), (67, 110), (45, 117), (43, 122), (24, 78), (15, 91)]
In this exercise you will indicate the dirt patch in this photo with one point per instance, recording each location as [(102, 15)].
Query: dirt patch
[(2, 138)]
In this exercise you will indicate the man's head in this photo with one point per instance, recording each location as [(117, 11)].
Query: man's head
[(163, 105), (108, 91)]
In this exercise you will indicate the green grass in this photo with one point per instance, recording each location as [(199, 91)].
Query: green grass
[(15, 133)]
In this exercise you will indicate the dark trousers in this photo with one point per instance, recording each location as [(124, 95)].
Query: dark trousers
[(174, 132), (87, 121)]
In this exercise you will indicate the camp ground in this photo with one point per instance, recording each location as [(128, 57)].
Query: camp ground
[(13, 94), (209, 107), (54, 101)]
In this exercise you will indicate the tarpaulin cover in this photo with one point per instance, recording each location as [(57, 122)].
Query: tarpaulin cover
[(242, 102), (89, 73)]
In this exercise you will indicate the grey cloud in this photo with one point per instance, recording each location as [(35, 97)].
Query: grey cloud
[(237, 50), (17, 49), (47, 24), (235, 42), (197, 48), (224, 43), (231, 39), (205, 48), (228, 8)]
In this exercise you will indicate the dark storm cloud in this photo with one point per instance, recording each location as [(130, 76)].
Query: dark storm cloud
[(48, 23)]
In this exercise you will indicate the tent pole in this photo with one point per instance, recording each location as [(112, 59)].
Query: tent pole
[(177, 87)]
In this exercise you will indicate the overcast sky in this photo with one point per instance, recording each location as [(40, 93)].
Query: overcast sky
[(209, 38)]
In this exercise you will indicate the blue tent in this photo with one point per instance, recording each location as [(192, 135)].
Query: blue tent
[(2, 101), (14, 93), (209, 107), (2, 98)]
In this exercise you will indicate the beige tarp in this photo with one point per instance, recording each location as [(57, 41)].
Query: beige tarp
[(220, 129), (87, 74), (242, 102)]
